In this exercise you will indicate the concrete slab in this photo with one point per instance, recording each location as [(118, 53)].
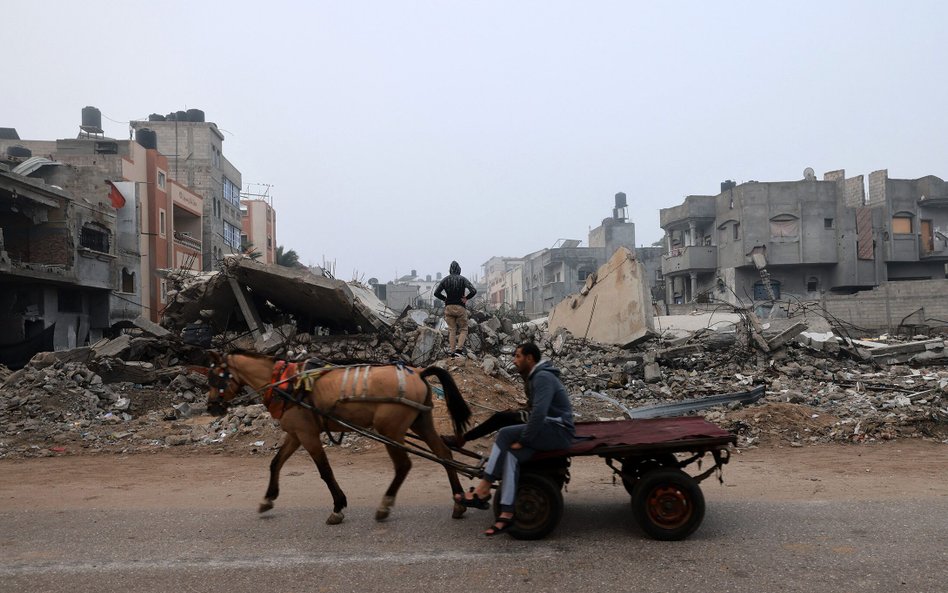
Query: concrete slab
[(613, 308)]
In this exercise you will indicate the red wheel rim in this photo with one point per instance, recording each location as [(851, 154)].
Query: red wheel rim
[(668, 506)]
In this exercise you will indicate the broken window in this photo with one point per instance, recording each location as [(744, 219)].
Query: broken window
[(902, 224), (93, 238), (106, 148), (128, 280), (812, 284), (761, 294), (784, 226), (827, 223)]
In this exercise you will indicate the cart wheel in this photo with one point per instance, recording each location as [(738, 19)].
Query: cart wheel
[(537, 509), (633, 468), (668, 504)]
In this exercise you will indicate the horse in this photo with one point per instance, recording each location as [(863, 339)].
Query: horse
[(391, 399)]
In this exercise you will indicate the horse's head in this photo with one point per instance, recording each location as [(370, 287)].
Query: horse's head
[(223, 384)]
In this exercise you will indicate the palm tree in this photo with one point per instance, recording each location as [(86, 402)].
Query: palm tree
[(288, 259)]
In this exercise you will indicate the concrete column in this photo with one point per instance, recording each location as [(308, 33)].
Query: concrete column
[(694, 285), (692, 240), (670, 290)]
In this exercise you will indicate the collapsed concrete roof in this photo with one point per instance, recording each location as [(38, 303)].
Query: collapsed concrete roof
[(249, 285), (614, 306)]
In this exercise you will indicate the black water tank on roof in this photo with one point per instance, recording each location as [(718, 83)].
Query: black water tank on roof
[(156, 117), (181, 115), (171, 116), (195, 115), (20, 152), (91, 118), (147, 138)]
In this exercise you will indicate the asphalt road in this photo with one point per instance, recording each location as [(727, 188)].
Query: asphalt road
[(218, 543)]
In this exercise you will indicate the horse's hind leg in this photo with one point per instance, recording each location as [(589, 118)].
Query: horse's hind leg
[(314, 447), (289, 446), (402, 465), (425, 428)]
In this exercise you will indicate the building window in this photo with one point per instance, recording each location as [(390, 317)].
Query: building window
[(163, 292), (161, 180), (106, 148), (161, 222), (902, 224), (761, 294), (231, 235), (828, 223), (231, 192), (737, 231), (812, 285), (128, 281), (95, 239), (784, 226)]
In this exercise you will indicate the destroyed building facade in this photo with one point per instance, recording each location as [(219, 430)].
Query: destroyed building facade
[(536, 282), (766, 241)]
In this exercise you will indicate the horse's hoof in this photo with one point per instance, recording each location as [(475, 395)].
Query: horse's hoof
[(382, 514), (335, 519), (459, 510), (265, 506)]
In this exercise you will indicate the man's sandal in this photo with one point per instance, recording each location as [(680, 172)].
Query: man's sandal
[(505, 523), (475, 501)]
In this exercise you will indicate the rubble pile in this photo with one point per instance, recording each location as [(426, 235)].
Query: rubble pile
[(145, 391)]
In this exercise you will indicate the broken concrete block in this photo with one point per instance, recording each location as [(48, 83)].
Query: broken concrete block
[(113, 348), (786, 335), (427, 346), (653, 372)]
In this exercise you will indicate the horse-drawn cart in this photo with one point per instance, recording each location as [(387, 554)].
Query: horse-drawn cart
[(648, 455)]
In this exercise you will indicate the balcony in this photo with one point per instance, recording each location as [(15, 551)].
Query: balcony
[(690, 259), (187, 241)]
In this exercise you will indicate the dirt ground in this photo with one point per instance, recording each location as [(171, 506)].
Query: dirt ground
[(882, 471)]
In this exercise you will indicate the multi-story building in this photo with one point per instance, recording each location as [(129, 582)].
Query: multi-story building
[(58, 261), (259, 227), (195, 158), (495, 276), (761, 241)]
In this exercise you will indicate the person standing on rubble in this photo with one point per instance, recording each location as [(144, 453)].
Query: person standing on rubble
[(455, 290)]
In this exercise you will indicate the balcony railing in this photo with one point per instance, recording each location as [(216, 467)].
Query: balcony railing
[(187, 241), (688, 259)]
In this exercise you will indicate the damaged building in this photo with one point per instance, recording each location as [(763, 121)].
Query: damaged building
[(57, 265), (535, 283), (811, 239)]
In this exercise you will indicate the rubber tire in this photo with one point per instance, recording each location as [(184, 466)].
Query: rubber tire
[(668, 504), (538, 507), (635, 467)]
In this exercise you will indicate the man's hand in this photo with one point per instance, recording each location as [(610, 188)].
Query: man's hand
[(463, 300)]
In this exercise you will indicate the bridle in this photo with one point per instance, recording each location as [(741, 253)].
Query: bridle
[(221, 378)]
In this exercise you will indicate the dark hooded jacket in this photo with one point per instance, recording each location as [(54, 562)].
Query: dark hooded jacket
[(452, 287), (548, 401)]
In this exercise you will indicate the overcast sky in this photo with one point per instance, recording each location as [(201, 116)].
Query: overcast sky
[(400, 135)]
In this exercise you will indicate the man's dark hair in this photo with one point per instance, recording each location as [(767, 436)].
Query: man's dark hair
[(530, 349)]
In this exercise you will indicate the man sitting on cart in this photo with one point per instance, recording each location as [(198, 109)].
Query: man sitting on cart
[(549, 426)]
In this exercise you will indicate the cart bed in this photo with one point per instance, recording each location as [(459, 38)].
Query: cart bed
[(611, 437)]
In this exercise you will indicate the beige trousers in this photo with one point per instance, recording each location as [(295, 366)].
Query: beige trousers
[(456, 318)]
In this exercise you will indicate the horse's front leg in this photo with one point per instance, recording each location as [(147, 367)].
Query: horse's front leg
[(314, 447), (402, 464), (289, 446)]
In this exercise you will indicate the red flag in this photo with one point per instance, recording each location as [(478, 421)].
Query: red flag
[(118, 200)]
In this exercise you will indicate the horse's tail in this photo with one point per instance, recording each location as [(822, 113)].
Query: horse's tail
[(457, 407)]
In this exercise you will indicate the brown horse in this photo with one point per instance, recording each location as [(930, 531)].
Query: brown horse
[(389, 399)]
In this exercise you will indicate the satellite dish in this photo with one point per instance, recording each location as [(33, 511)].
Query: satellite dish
[(808, 174)]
